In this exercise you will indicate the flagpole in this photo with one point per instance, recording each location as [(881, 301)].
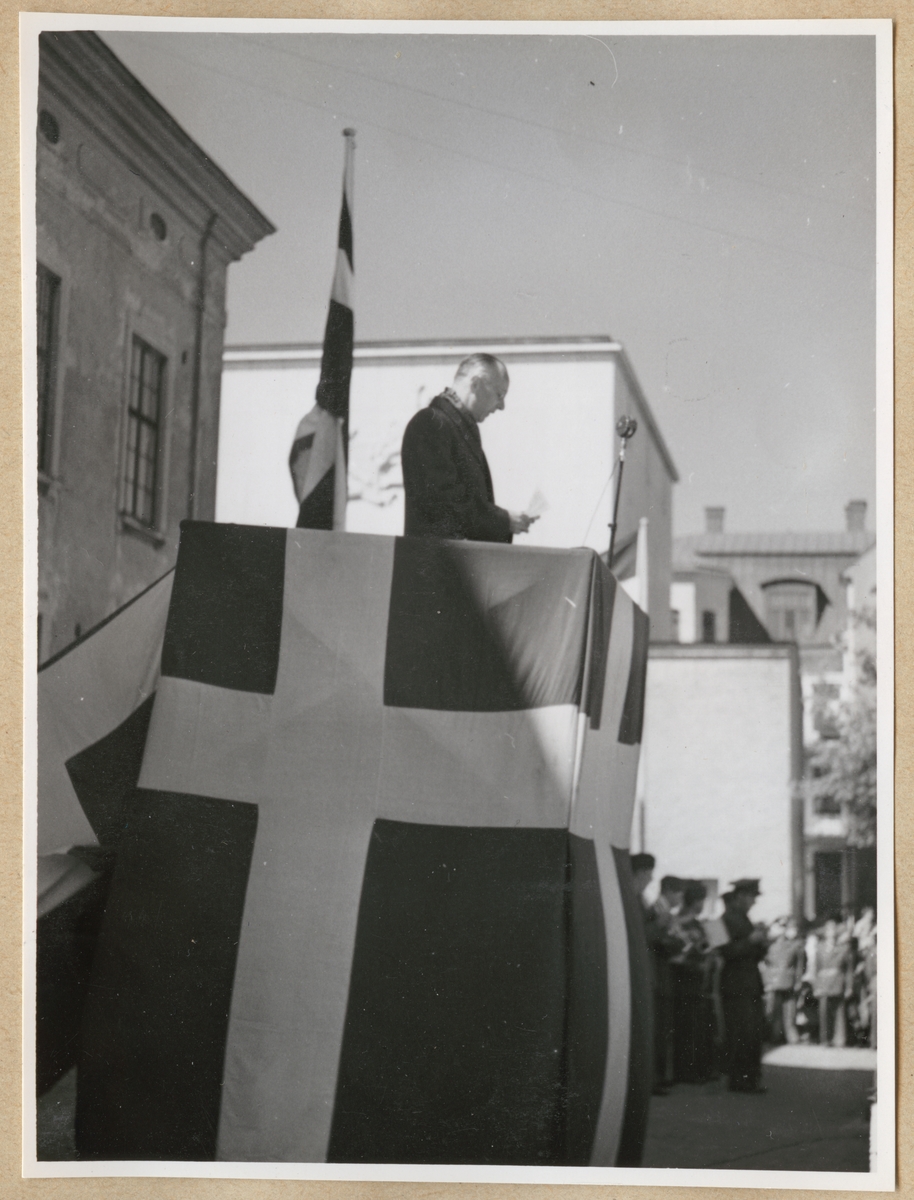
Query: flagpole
[(349, 165), (349, 194), (625, 428), (320, 451)]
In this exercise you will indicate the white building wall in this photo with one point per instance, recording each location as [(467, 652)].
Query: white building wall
[(682, 601), (719, 753), (555, 436)]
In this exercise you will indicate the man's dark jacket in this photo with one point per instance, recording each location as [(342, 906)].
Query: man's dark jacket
[(446, 478), (740, 976), (663, 945)]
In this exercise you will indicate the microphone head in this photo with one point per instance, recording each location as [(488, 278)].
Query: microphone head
[(625, 427)]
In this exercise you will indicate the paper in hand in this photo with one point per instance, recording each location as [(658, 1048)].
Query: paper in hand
[(537, 505)]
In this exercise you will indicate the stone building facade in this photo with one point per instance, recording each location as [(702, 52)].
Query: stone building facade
[(793, 582), (801, 589), (136, 227)]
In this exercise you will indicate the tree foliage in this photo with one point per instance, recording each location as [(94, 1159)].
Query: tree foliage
[(842, 769)]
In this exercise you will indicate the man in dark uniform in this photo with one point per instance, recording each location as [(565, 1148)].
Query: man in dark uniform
[(446, 477), (662, 945), (741, 988), (665, 944)]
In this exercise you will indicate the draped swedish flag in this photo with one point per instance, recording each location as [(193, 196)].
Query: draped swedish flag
[(372, 900)]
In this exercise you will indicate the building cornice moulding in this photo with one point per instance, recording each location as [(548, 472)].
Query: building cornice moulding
[(87, 78)]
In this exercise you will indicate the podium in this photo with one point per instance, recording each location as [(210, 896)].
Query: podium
[(371, 900)]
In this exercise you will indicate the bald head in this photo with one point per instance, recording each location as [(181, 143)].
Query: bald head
[(480, 385), (481, 364)]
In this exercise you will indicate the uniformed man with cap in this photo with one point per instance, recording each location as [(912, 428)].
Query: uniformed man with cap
[(741, 988)]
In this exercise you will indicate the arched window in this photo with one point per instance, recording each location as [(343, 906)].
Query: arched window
[(793, 608)]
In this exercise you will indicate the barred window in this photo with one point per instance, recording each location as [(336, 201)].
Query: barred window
[(48, 321), (141, 471), (791, 610)]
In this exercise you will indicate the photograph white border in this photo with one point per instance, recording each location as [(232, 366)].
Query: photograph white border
[(883, 1149)]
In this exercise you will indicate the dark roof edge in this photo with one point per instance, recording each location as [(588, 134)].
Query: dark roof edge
[(722, 650), (598, 341), (701, 569), (838, 552)]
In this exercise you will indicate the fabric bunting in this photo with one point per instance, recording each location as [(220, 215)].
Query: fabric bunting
[(94, 701), (320, 448), (372, 900)]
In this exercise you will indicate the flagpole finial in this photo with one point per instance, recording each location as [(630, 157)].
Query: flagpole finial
[(348, 133)]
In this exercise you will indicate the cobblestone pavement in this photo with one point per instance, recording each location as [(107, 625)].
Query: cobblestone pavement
[(811, 1119)]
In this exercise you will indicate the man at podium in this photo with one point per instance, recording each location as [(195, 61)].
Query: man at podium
[(446, 478)]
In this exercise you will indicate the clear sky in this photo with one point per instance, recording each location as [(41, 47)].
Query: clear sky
[(707, 201)]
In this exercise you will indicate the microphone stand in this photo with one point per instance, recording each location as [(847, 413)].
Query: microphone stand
[(625, 428)]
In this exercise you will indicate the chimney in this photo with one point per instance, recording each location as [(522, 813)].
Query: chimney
[(714, 520), (855, 514)]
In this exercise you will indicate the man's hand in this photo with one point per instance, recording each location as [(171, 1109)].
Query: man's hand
[(520, 522)]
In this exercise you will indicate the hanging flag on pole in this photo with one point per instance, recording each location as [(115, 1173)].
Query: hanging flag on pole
[(321, 447)]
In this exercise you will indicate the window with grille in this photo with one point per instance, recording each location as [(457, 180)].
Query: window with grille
[(791, 612), (48, 321), (141, 471)]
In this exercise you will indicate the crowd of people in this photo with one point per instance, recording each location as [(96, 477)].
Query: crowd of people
[(724, 987), (821, 986)]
